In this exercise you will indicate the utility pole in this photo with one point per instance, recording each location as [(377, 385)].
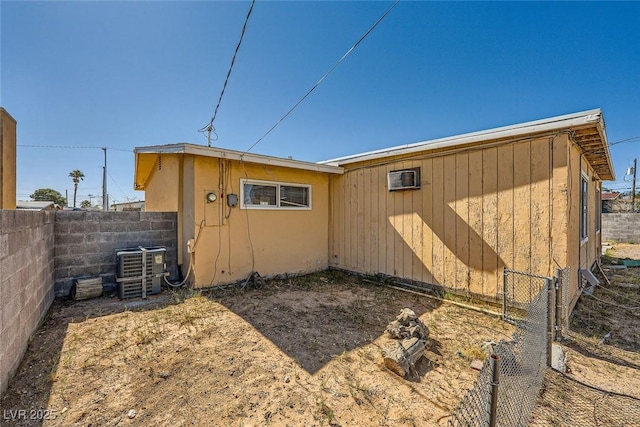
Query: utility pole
[(105, 201), (633, 187)]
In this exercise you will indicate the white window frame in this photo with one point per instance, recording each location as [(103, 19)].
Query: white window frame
[(584, 208), (276, 184)]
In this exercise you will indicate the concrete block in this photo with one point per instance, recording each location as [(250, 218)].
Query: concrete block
[(70, 261), (138, 226), (61, 273), (108, 268), (96, 216), (114, 226), (162, 225), (60, 227), (107, 257), (60, 250), (170, 215), (70, 216), (87, 270), (9, 313), (83, 227), (558, 358), (4, 246), (170, 236), (92, 259), (8, 220), (84, 249), (110, 237), (132, 216), (98, 237), (67, 239)]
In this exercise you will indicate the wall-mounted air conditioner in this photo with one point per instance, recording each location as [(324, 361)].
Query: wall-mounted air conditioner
[(407, 179)]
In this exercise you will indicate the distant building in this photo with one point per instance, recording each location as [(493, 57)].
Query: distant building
[(128, 206), (37, 206), (608, 200), (7, 160)]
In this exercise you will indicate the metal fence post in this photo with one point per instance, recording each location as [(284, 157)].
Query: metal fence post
[(550, 317), (504, 294), (559, 302), (494, 363)]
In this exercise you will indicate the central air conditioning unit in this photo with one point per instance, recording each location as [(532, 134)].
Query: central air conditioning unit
[(140, 271), (407, 179)]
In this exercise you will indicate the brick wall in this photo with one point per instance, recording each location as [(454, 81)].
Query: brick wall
[(621, 227), (86, 242), (26, 282)]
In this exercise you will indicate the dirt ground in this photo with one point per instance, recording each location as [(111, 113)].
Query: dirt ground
[(302, 351), (307, 351), (602, 387)]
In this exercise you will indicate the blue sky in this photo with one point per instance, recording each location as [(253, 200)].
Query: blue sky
[(127, 74)]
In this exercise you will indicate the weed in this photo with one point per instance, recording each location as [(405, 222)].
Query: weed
[(328, 413), (474, 353)]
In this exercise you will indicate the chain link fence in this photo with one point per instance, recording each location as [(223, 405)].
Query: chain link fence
[(566, 401), (521, 362), (519, 291)]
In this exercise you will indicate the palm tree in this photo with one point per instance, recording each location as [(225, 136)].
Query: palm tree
[(77, 176)]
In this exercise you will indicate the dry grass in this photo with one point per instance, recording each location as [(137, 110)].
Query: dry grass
[(603, 354), (306, 350)]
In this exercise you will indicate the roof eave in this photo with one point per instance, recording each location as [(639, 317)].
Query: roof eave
[(518, 130), (198, 150)]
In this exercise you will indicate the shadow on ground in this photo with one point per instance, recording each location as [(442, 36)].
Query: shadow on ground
[(316, 317)]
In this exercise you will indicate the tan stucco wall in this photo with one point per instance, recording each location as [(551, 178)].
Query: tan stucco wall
[(163, 186), (478, 211), (233, 242), (7, 160)]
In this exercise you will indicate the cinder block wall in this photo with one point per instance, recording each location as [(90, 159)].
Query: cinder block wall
[(621, 227), (86, 242), (26, 282)]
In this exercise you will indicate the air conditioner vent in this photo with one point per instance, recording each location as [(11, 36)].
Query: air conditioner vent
[(407, 179), (133, 264)]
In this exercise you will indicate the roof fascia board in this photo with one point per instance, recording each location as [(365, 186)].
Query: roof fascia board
[(605, 144), (239, 156), (538, 126)]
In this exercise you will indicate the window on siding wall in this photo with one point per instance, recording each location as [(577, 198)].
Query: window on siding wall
[(598, 210), (584, 208), (274, 195)]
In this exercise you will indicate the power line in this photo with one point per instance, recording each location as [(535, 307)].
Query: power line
[(324, 76), (72, 147), (114, 181), (635, 138), (209, 127)]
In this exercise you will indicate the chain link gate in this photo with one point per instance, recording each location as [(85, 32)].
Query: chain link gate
[(519, 291), (507, 388)]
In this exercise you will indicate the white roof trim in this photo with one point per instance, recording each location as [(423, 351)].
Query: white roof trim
[(199, 150), (537, 126)]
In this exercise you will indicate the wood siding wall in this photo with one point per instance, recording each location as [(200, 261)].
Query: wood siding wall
[(581, 254), (477, 211)]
